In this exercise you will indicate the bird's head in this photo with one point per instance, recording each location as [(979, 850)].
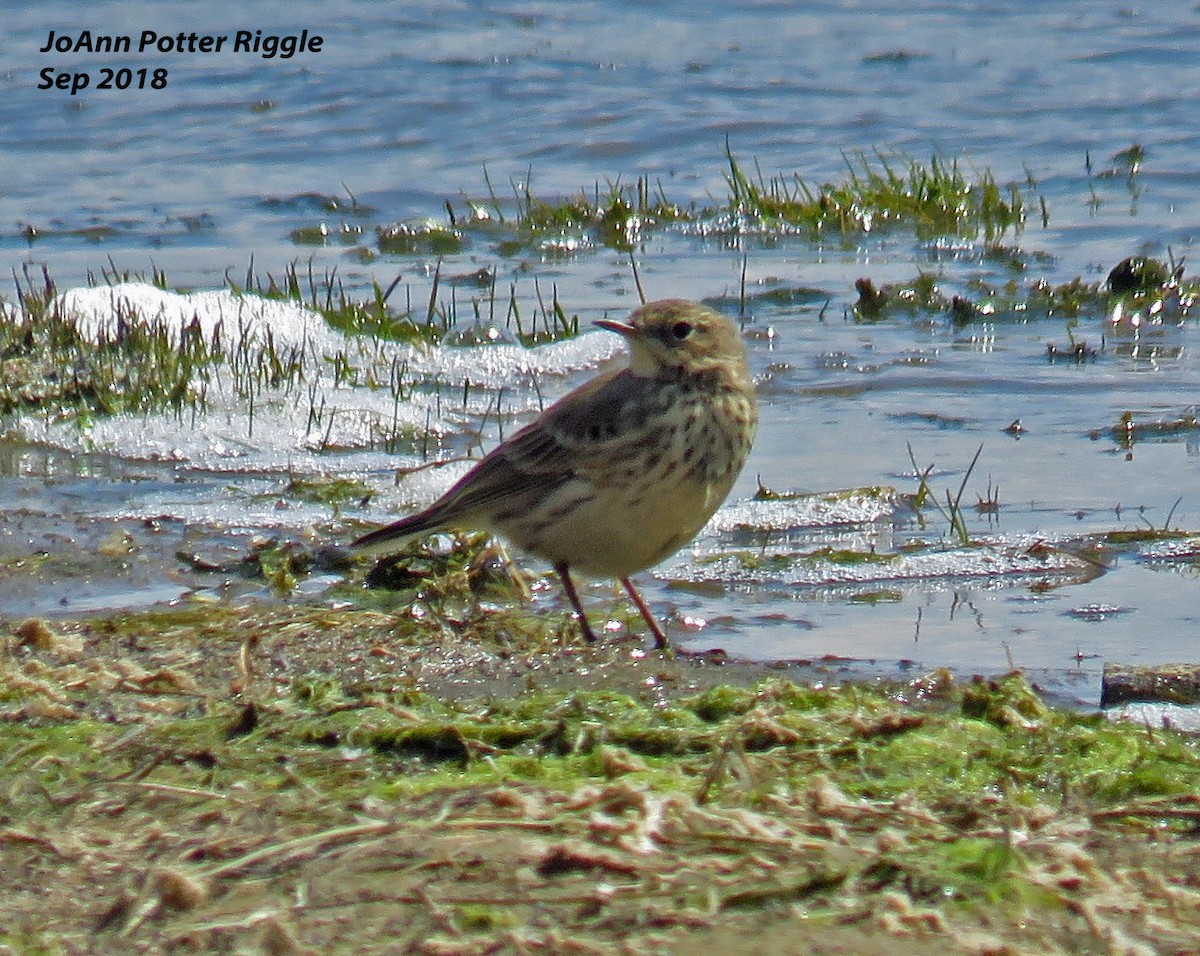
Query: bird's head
[(675, 336)]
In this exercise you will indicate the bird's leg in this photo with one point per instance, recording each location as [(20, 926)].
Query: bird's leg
[(569, 586), (660, 637)]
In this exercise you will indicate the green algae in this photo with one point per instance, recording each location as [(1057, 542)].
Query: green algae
[(878, 192), (979, 736), (882, 192), (885, 493), (326, 489), (423, 236), (237, 729), (1137, 286)]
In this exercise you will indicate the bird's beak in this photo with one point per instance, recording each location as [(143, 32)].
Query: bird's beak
[(621, 328), (641, 358)]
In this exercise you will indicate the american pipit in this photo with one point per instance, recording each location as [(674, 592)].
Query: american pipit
[(625, 470)]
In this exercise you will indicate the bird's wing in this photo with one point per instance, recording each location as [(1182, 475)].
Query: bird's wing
[(579, 428), (583, 427)]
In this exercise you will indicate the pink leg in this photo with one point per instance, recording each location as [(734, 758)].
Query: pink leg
[(572, 595), (660, 637)]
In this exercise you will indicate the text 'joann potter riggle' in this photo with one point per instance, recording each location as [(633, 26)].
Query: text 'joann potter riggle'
[(243, 41)]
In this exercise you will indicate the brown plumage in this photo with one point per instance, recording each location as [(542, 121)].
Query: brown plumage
[(625, 470)]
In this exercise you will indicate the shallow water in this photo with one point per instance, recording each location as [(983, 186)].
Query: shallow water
[(404, 111)]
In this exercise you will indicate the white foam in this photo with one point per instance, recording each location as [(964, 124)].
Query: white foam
[(99, 310), (806, 511), (991, 562), (324, 419)]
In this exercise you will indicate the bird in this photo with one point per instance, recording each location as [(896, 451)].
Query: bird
[(622, 472)]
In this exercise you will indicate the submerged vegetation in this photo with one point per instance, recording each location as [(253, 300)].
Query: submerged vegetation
[(49, 366), (60, 365), (149, 363), (879, 192), (141, 363), (1138, 293)]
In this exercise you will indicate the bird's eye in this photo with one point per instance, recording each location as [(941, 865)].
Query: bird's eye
[(681, 330)]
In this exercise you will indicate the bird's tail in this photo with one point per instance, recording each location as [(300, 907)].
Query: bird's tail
[(388, 539)]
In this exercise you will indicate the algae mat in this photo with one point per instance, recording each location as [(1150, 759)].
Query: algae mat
[(300, 780)]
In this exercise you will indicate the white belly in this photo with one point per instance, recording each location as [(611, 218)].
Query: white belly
[(598, 532)]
